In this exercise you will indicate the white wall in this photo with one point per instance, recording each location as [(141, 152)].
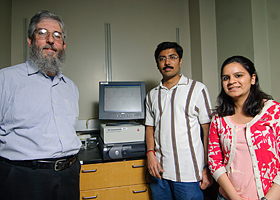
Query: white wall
[(204, 44), (234, 29), (273, 21), (251, 28), (209, 54), (137, 27), (5, 33), (210, 31), (261, 43)]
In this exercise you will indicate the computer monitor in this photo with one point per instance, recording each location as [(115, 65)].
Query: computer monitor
[(122, 101)]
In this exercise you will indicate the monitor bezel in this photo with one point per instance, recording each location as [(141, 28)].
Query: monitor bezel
[(121, 116)]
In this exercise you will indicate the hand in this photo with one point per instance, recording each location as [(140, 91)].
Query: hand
[(154, 166), (207, 179)]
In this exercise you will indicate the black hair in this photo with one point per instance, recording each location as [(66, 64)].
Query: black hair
[(169, 45), (255, 100)]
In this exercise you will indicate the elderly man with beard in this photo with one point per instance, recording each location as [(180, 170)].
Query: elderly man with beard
[(38, 113)]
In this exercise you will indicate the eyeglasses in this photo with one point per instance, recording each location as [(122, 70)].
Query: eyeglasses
[(44, 33), (171, 58)]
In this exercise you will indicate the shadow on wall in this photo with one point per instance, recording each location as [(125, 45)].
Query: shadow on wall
[(95, 110), (150, 84)]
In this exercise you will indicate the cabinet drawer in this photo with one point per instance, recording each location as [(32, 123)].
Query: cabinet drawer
[(114, 174), (135, 192)]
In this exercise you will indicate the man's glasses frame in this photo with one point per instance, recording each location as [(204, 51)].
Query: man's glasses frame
[(171, 58), (44, 33)]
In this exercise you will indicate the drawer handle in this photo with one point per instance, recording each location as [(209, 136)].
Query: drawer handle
[(87, 171), (93, 197), (140, 191), (137, 166)]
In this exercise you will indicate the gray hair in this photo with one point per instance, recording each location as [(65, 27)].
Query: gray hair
[(38, 17)]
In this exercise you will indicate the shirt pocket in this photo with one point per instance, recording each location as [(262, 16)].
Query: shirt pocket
[(71, 111)]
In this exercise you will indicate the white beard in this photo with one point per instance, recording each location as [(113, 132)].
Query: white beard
[(48, 63)]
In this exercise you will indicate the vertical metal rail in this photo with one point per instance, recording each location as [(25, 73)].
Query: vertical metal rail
[(178, 35), (108, 61), (25, 45), (178, 41)]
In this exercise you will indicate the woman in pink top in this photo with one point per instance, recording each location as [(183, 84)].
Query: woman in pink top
[(244, 139)]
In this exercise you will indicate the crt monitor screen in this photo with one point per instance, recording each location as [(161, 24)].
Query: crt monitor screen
[(121, 100)]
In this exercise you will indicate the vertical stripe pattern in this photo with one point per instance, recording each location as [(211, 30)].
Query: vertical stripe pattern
[(189, 132), (207, 104), (160, 114), (173, 136), (176, 115)]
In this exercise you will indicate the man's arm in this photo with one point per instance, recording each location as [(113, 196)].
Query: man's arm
[(153, 164), (205, 129), (207, 179)]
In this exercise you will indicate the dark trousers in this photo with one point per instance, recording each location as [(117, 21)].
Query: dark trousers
[(22, 183)]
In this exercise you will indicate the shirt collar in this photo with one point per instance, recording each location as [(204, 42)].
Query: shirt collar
[(33, 69), (183, 81)]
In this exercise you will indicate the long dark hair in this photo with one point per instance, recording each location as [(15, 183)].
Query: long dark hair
[(255, 100)]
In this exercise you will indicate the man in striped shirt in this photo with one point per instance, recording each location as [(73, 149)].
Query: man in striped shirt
[(176, 112)]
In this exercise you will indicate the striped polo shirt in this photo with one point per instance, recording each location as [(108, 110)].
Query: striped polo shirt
[(176, 115)]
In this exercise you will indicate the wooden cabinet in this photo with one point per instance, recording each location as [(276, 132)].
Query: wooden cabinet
[(123, 180)]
